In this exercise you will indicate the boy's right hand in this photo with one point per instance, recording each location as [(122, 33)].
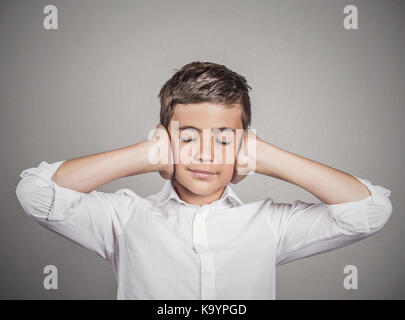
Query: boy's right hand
[(166, 167)]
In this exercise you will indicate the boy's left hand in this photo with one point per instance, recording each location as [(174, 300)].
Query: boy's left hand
[(245, 161)]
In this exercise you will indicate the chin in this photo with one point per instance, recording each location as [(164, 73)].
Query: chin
[(203, 188)]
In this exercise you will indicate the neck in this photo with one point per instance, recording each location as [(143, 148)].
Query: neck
[(196, 199)]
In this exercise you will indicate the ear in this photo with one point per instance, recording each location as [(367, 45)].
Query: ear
[(239, 140)]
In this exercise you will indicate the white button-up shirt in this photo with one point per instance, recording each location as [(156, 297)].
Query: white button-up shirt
[(161, 247)]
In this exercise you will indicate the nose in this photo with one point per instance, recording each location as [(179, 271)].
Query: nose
[(206, 152)]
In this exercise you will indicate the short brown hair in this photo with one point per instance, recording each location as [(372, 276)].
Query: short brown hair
[(204, 82)]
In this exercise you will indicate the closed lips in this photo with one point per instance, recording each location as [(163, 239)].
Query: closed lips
[(203, 171)]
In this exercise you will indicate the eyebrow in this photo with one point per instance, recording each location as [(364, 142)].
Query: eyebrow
[(199, 130)]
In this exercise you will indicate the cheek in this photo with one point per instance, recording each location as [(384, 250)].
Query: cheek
[(227, 171), (225, 155), (180, 175), (184, 153)]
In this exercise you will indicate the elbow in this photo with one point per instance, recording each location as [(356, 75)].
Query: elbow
[(378, 220), (24, 192), (33, 197)]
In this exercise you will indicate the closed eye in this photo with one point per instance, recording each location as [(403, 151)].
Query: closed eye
[(223, 142), (222, 136), (188, 139), (217, 140), (188, 135)]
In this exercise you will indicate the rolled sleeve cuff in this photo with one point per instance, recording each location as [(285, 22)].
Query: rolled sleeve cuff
[(64, 198), (379, 194), (45, 170), (363, 216), (64, 202)]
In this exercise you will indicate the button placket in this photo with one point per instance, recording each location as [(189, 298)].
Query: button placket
[(200, 232), (206, 258), (207, 276)]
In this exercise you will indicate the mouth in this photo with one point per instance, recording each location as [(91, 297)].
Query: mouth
[(202, 174)]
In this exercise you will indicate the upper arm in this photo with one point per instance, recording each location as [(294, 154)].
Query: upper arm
[(304, 229)]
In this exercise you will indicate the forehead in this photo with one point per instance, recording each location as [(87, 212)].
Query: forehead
[(207, 115)]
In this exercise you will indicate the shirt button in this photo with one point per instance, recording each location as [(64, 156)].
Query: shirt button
[(200, 248)]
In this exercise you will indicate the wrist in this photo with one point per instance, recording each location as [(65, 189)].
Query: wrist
[(144, 158), (265, 157)]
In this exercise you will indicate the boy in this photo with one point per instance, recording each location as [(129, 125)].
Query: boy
[(195, 239)]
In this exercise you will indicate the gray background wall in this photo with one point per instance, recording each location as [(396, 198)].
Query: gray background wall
[(323, 92)]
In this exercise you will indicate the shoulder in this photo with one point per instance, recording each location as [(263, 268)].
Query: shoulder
[(138, 200)]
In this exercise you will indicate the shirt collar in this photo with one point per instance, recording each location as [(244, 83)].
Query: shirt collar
[(168, 192)]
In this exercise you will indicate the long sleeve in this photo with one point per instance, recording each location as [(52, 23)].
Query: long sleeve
[(304, 229), (93, 220)]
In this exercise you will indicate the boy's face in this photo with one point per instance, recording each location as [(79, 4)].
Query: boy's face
[(205, 140)]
